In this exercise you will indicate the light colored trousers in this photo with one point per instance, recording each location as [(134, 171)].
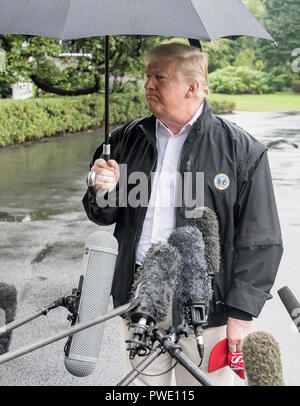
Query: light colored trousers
[(179, 376)]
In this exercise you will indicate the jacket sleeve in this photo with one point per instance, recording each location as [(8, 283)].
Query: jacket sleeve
[(258, 241), (104, 215)]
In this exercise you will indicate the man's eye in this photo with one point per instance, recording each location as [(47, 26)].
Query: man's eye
[(159, 77)]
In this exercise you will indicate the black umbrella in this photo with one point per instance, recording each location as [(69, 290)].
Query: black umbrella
[(73, 19)]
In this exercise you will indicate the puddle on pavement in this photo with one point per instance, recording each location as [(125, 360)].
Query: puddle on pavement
[(277, 144), (289, 113), (72, 250), (41, 278), (42, 254), (40, 214)]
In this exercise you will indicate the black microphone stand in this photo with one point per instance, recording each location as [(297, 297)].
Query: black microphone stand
[(70, 302), (66, 333), (166, 343)]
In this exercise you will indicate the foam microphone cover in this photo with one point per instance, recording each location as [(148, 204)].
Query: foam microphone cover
[(194, 283), (207, 222), (262, 360), (8, 306), (156, 280), (99, 260)]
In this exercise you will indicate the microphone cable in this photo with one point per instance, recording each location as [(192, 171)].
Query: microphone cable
[(143, 373), (168, 336)]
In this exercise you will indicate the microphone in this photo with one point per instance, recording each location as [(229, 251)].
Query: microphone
[(194, 285), (262, 360), (153, 289), (8, 306), (291, 304), (99, 259), (206, 220)]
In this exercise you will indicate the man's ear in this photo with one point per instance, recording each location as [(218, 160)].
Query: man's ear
[(192, 89)]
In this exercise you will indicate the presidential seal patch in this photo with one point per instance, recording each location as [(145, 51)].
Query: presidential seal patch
[(221, 181)]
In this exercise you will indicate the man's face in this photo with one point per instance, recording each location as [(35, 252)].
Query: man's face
[(165, 90)]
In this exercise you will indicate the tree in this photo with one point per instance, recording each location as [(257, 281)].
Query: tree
[(256, 7), (221, 53), (242, 51), (21, 54), (282, 20), (37, 58)]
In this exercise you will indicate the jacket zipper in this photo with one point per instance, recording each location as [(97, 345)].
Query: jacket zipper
[(139, 229), (187, 165)]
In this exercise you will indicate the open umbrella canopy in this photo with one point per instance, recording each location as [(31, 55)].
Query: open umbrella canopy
[(72, 19)]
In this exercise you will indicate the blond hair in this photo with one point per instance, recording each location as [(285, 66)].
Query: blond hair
[(192, 63)]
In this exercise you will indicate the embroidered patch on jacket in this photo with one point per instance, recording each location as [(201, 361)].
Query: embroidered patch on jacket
[(221, 181)]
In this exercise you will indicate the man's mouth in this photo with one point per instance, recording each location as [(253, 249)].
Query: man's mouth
[(151, 96)]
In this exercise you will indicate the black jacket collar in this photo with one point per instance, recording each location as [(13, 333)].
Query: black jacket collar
[(147, 125)]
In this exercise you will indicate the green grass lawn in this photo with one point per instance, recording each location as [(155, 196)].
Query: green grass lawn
[(265, 102)]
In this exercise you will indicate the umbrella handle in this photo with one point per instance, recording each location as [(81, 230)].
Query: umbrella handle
[(106, 151), (106, 155)]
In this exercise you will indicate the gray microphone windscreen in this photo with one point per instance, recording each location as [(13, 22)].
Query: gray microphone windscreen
[(262, 360), (8, 306), (194, 283), (99, 260), (207, 222), (156, 280)]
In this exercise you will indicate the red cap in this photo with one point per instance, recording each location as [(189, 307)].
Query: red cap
[(221, 357)]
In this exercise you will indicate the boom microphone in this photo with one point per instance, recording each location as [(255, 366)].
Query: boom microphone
[(207, 222), (291, 304), (194, 287), (153, 289), (262, 360), (99, 259)]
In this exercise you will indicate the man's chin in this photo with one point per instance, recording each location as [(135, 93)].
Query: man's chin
[(153, 108)]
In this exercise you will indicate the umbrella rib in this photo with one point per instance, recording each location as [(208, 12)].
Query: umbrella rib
[(194, 7), (66, 21)]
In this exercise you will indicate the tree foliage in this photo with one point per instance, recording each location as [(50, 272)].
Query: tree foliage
[(231, 80), (282, 20), (38, 59)]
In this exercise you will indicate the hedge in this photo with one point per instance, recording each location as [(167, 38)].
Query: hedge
[(240, 80), (296, 86), (31, 119)]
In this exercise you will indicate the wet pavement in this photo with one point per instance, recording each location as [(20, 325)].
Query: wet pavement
[(43, 229)]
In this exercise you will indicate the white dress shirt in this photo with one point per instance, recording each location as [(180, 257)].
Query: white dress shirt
[(160, 217)]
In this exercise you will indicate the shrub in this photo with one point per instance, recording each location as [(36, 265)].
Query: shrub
[(28, 120), (222, 106), (240, 80), (281, 77), (295, 86)]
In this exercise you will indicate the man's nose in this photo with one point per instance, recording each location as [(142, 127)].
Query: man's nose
[(149, 83)]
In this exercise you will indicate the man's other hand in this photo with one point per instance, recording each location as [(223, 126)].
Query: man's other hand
[(237, 331)]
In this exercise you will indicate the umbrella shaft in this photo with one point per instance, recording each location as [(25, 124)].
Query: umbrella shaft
[(106, 118)]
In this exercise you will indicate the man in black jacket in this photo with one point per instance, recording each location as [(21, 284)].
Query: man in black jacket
[(183, 135)]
